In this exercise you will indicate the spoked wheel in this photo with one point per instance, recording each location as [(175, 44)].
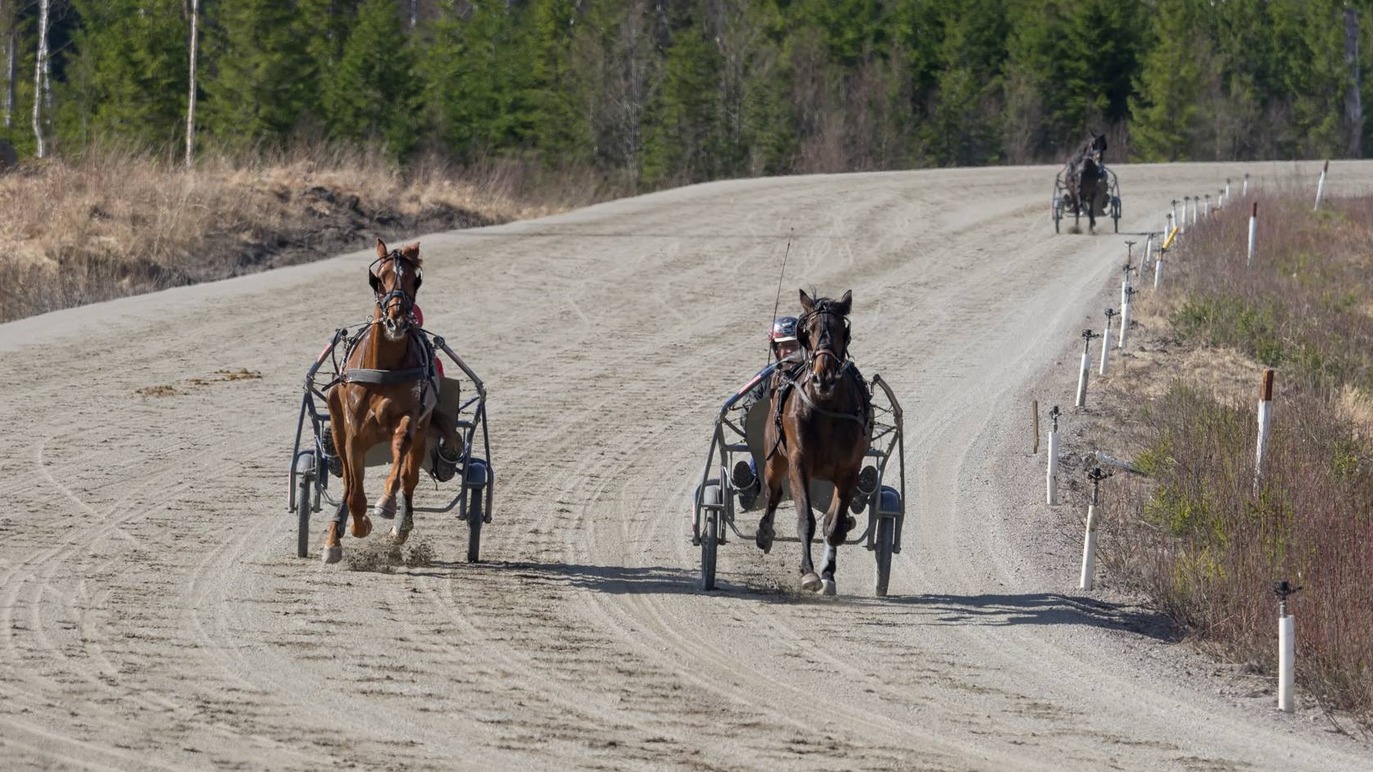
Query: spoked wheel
[(474, 524), (710, 532), (1115, 213), (885, 540), (305, 489)]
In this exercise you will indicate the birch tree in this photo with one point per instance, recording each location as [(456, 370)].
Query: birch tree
[(9, 14), (190, 97), (40, 70)]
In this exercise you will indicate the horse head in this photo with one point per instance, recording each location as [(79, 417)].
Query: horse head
[(395, 277), (1096, 147), (823, 332)]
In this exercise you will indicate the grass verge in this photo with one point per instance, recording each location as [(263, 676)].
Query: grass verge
[(1202, 534), (117, 222)]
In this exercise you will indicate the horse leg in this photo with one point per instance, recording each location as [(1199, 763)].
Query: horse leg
[(410, 477), (385, 507), (354, 472), (774, 470), (401, 441), (838, 523), (332, 551), (805, 526)]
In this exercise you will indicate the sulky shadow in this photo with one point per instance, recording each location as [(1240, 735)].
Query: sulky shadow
[(1045, 609)]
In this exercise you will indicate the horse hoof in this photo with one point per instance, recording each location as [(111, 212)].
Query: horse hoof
[(764, 537), (810, 582), (398, 536), (385, 509), (827, 587), (332, 554), (361, 526)]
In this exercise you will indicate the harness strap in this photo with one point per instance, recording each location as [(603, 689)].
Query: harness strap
[(384, 377), (789, 383)]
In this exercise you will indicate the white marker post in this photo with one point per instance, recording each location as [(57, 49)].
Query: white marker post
[(1186, 205), (1125, 280), (1173, 217), (1265, 424), (1148, 249), (1245, 190), (1320, 185), (1287, 646), (1089, 542), (1227, 187), (1087, 336), (1052, 480), (1106, 335), (1206, 207), (1158, 269), (1253, 232), (1125, 315)]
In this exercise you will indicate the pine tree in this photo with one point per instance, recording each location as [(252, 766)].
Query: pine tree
[(684, 129), (476, 79), (127, 75), (373, 93), (258, 89), (560, 128), (1166, 105)]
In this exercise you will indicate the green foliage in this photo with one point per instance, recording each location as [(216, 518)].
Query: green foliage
[(255, 89), (127, 78), (684, 133), (693, 90), (373, 93), (1168, 100)]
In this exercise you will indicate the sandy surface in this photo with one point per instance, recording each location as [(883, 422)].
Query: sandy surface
[(153, 613)]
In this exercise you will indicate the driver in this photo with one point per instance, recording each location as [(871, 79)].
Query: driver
[(785, 350), (784, 347)]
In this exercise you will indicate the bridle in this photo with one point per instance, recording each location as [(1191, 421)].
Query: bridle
[(398, 268), (825, 345)]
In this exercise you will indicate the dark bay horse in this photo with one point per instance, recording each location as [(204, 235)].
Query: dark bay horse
[(1083, 179), (386, 393), (821, 429)]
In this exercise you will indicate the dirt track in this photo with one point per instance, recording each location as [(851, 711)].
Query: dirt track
[(153, 614)]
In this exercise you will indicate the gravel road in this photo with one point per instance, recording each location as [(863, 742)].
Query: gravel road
[(153, 614)]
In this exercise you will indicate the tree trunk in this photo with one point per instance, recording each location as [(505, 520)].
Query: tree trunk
[(11, 66), (40, 70), (190, 101), (1353, 106)]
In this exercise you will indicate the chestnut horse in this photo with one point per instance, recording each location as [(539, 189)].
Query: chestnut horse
[(386, 392), (821, 429)]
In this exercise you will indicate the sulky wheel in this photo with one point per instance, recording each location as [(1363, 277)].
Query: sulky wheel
[(474, 525), (886, 539), (710, 507), (476, 477), (305, 476)]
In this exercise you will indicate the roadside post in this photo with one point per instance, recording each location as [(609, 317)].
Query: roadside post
[(1287, 645), (1089, 543)]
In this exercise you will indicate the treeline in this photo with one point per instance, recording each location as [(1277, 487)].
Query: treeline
[(669, 91)]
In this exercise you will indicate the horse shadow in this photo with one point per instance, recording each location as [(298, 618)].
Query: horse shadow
[(1044, 609)]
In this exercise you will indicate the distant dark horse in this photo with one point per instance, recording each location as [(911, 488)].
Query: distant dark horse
[(822, 430), (1083, 179)]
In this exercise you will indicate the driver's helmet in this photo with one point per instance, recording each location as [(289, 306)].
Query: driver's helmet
[(783, 329)]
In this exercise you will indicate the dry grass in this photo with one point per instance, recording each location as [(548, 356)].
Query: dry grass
[(1198, 534), (117, 223)]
